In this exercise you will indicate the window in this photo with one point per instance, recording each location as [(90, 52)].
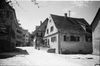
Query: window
[(48, 45), (53, 39), (50, 20), (47, 31), (74, 38), (39, 34), (65, 38), (51, 29), (45, 41), (77, 38), (88, 38)]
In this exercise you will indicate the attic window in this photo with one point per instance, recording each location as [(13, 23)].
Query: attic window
[(47, 31), (51, 29), (50, 20)]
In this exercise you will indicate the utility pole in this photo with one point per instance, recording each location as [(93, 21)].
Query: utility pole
[(69, 12)]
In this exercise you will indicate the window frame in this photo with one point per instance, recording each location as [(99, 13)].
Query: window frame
[(75, 38), (66, 38), (88, 38), (47, 31), (53, 39), (51, 29)]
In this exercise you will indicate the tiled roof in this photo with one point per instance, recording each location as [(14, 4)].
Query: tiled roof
[(64, 23), (42, 27), (96, 20)]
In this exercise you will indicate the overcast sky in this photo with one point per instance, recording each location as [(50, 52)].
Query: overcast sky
[(30, 15)]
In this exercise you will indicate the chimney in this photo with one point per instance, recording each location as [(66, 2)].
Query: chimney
[(40, 22), (65, 14), (69, 13)]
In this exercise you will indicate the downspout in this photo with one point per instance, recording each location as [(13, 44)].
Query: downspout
[(59, 46)]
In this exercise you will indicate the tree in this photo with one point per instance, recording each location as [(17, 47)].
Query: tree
[(12, 2)]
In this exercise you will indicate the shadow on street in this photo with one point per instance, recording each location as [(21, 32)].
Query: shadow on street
[(16, 51)]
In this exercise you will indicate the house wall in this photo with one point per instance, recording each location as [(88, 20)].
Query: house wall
[(75, 46), (96, 40), (19, 36), (53, 45), (50, 34), (72, 46), (49, 26)]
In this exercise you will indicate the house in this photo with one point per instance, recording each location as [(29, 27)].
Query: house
[(96, 33), (8, 23), (40, 31), (68, 35), (19, 36), (26, 36)]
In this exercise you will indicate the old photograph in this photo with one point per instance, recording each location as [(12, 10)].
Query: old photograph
[(49, 33)]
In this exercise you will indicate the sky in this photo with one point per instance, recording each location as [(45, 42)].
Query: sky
[(29, 15)]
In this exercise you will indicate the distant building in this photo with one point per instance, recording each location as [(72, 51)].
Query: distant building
[(19, 36), (40, 32), (8, 23), (96, 33), (68, 35), (26, 35)]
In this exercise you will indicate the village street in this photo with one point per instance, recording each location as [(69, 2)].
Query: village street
[(42, 58)]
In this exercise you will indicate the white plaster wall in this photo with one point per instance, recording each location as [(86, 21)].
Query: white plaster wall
[(54, 45), (96, 40), (49, 26), (75, 46)]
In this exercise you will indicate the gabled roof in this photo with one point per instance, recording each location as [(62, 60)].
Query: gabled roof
[(42, 27), (64, 23), (96, 20)]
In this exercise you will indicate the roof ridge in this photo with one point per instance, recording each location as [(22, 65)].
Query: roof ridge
[(62, 23), (64, 16), (94, 22), (56, 15)]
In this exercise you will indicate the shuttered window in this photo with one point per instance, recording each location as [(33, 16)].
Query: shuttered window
[(53, 39)]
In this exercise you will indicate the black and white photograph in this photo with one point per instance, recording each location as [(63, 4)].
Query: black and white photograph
[(49, 33)]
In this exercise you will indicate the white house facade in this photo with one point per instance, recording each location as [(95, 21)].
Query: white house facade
[(66, 36), (51, 35), (96, 33)]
